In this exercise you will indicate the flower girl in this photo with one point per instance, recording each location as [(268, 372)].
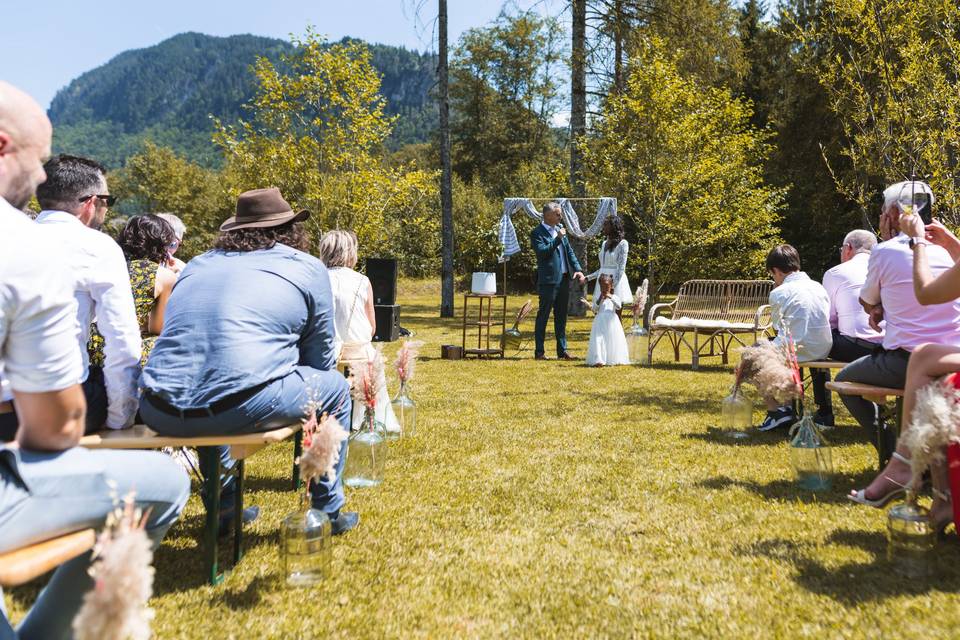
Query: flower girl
[(608, 344)]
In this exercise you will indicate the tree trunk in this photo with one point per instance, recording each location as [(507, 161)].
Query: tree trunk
[(578, 128), (618, 31), (446, 186)]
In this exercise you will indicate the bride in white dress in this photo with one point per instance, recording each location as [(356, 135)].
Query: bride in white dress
[(353, 316), (613, 260), (608, 344)]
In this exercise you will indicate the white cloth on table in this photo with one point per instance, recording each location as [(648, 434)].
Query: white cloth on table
[(843, 283), (614, 263), (38, 320), (351, 292), (802, 306), (102, 289), (608, 344)]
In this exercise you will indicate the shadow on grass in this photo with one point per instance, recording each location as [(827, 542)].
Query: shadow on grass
[(249, 596), (859, 582), (839, 437), (666, 401), (188, 561), (788, 490)]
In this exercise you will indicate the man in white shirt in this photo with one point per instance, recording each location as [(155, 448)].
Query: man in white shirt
[(48, 486), (888, 294), (800, 309), (74, 199), (853, 337)]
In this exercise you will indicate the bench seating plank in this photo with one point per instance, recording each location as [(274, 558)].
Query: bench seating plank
[(867, 391), (823, 364), (23, 565), (142, 437)]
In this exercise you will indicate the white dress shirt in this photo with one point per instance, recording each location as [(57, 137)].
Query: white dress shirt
[(102, 290), (802, 306), (38, 320), (843, 283), (553, 234), (890, 283)]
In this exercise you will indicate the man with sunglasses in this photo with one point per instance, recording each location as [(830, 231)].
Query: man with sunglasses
[(75, 199)]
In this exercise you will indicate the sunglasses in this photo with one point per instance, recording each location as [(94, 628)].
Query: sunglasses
[(107, 200)]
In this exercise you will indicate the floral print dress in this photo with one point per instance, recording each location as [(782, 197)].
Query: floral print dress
[(143, 283)]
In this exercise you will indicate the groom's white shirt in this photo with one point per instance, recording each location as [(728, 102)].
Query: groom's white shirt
[(553, 234)]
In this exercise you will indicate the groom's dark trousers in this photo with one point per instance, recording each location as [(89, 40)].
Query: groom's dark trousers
[(556, 297)]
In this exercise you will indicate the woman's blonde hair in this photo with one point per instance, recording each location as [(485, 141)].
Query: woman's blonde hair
[(338, 248)]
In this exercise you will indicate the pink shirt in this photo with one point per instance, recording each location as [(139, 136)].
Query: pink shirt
[(890, 282), (843, 283)]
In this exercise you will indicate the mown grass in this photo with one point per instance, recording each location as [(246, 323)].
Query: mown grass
[(548, 499)]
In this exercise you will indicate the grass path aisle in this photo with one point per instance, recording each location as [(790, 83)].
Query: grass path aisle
[(546, 499)]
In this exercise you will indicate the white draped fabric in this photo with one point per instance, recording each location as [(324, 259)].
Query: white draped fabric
[(508, 233)]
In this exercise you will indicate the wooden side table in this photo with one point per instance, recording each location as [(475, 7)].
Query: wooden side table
[(483, 324)]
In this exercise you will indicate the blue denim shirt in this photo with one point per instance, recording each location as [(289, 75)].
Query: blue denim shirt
[(236, 320)]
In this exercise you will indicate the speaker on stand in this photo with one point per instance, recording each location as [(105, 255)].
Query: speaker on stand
[(382, 273)]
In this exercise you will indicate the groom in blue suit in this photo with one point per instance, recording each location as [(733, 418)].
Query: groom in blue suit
[(556, 264)]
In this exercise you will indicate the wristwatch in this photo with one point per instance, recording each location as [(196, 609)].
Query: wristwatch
[(914, 241)]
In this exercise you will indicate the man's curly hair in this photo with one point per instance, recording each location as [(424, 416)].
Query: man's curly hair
[(291, 234)]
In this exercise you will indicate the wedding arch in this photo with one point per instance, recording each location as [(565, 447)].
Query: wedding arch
[(507, 233)]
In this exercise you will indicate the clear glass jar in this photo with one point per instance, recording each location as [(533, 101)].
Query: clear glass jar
[(366, 453), (811, 456), (637, 340), (406, 411), (910, 539), (305, 545), (736, 411)]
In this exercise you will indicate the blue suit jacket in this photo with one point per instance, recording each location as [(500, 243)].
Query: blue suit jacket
[(548, 256)]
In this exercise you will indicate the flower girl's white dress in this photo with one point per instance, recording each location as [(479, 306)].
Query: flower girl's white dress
[(608, 344)]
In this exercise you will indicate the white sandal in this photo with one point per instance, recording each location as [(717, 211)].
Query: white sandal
[(860, 496)]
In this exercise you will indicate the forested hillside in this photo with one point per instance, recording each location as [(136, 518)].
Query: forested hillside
[(168, 93)]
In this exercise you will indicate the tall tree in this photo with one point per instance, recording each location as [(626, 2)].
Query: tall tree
[(578, 130), (446, 170)]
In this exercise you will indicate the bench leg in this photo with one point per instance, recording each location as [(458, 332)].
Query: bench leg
[(297, 452), (883, 428), (696, 351), (238, 511), (211, 469)]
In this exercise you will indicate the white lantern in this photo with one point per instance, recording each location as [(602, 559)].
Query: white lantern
[(484, 283)]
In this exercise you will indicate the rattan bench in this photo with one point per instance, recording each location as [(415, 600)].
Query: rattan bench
[(241, 447), (26, 563), (716, 312), (879, 395)]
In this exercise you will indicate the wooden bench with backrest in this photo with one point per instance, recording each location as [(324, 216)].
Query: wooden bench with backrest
[(22, 565), (880, 396), (241, 447), (716, 312)]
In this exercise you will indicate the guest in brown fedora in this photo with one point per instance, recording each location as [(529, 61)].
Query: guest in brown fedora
[(248, 338)]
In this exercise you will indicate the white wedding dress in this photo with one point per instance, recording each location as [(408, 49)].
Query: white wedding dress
[(608, 344), (614, 263)]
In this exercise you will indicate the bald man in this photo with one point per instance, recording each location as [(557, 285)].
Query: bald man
[(48, 485)]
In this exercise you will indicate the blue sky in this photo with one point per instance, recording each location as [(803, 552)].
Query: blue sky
[(46, 44)]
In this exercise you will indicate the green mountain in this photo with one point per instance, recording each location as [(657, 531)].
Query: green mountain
[(168, 93)]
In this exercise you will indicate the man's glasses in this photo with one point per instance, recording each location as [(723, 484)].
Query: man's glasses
[(107, 200)]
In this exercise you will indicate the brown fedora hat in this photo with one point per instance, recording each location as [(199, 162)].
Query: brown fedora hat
[(261, 208)]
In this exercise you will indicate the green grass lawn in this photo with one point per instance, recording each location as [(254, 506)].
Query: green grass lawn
[(548, 499)]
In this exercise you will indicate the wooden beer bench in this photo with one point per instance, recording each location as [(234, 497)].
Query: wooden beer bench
[(241, 446), (879, 395), (26, 563)]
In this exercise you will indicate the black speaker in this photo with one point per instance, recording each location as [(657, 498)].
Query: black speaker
[(383, 277), (388, 322)]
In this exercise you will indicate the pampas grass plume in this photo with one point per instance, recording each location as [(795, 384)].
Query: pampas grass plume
[(116, 607), (321, 448), (934, 421), (367, 378), (767, 366), (407, 359)]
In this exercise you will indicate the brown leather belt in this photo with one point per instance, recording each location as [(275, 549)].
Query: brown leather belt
[(6, 407)]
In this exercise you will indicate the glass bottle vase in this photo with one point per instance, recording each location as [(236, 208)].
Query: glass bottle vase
[(366, 453), (305, 545), (736, 413), (637, 338), (910, 539), (406, 411), (811, 456)]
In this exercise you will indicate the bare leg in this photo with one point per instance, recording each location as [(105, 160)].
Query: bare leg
[(927, 363)]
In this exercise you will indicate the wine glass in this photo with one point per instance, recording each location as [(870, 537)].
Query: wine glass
[(912, 201)]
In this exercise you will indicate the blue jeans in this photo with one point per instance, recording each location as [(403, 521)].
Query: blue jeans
[(45, 495), (278, 404)]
